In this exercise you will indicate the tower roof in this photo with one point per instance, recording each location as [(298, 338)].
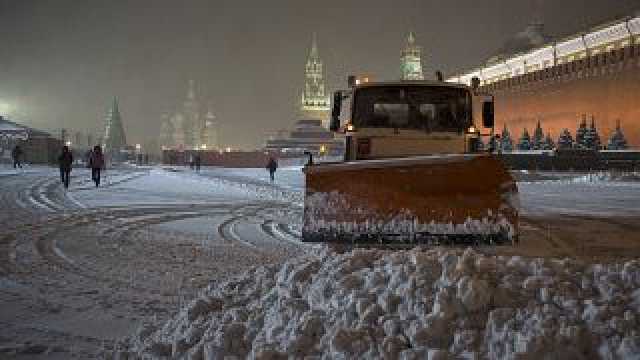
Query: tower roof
[(191, 93), (314, 54), (411, 39)]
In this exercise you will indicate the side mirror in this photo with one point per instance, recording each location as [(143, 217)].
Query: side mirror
[(335, 112), (487, 114)]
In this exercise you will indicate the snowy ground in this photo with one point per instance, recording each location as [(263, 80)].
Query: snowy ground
[(133, 249), (143, 245)]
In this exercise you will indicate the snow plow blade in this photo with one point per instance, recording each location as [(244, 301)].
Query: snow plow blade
[(446, 199)]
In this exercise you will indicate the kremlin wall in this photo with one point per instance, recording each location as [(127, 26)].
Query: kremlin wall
[(594, 74)]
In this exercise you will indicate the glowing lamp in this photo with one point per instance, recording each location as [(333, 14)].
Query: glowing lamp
[(350, 127), (472, 129)]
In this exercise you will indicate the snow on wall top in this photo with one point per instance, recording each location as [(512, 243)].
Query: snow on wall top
[(570, 46), (609, 34), (593, 39)]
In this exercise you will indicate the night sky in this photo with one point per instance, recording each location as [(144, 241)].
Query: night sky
[(62, 61)]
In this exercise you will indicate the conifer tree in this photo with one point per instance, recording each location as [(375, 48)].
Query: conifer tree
[(525, 141), (617, 140), (594, 137), (581, 132), (548, 142), (565, 141), (506, 144), (538, 138)]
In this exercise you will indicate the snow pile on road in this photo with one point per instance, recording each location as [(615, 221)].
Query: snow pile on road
[(607, 176), (436, 304)]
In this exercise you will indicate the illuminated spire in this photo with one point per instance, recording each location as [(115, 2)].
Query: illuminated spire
[(410, 60), (314, 49), (315, 101), (191, 93)]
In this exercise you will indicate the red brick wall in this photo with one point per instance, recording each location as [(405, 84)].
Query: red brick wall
[(606, 86), (237, 159)]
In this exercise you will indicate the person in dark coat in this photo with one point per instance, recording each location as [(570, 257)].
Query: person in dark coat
[(16, 154), (198, 161), (96, 163), (65, 160), (272, 165)]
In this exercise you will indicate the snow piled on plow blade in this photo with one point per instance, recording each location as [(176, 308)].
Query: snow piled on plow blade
[(466, 199), (402, 227)]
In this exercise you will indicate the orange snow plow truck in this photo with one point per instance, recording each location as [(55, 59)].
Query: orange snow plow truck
[(414, 171)]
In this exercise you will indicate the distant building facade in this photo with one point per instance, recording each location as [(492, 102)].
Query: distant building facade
[(315, 103), (307, 135), (38, 147), (411, 60), (191, 126), (596, 72), (310, 132)]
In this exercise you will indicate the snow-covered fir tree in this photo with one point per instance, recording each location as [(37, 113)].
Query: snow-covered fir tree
[(548, 143), (581, 132), (590, 139), (617, 140), (537, 141), (525, 141), (594, 137), (506, 143), (565, 141)]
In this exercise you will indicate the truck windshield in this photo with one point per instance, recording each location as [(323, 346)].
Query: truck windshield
[(428, 108)]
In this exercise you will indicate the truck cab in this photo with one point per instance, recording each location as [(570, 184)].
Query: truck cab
[(409, 118)]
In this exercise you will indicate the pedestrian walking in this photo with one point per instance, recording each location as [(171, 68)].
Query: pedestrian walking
[(272, 165), (198, 161), (65, 160), (96, 163), (16, 154)]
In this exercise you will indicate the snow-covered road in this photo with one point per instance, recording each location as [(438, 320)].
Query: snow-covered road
[(145, 242), (136, 247)]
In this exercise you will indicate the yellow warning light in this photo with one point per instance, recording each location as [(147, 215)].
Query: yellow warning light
[(323, 149)]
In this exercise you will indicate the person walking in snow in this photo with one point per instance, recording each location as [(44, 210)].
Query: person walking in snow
[(65, 160), (16, 153), (96, 163), (272, 165), (197, 161)]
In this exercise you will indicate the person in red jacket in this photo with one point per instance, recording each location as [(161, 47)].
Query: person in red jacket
[(96, 163)]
